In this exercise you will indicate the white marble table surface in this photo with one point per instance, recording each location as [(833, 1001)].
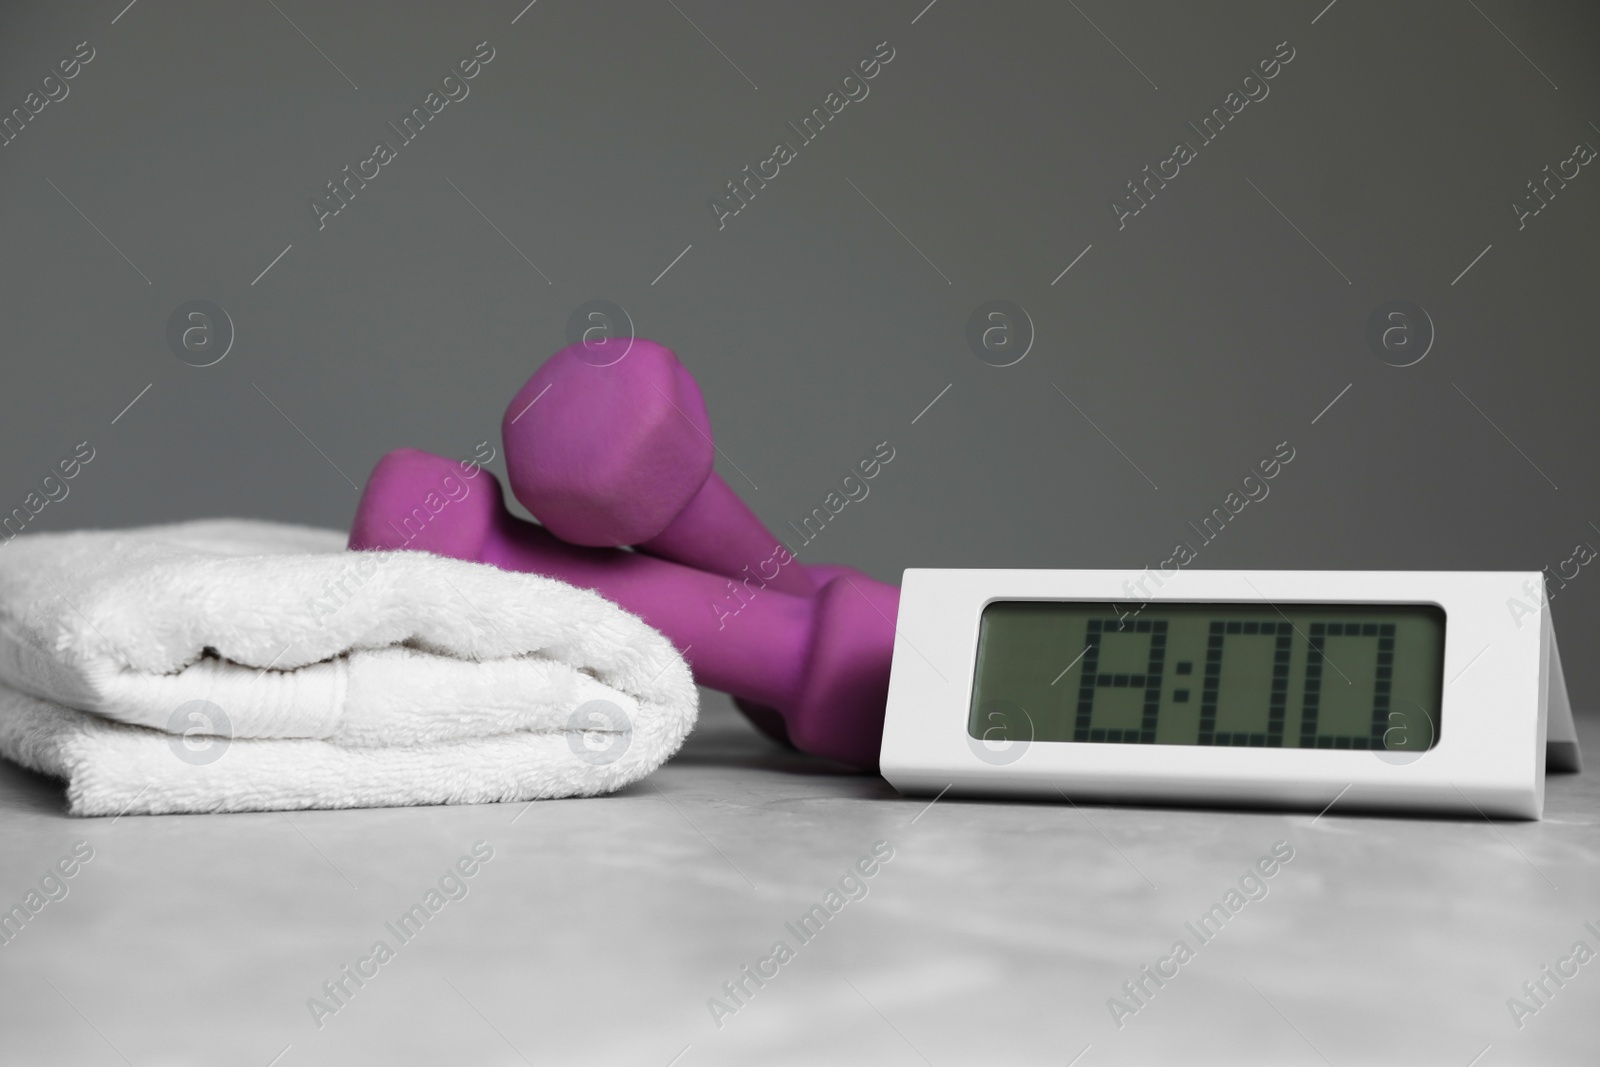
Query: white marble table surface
[(600, 928)]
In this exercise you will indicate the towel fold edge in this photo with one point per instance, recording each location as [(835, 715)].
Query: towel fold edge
[(114, 769)]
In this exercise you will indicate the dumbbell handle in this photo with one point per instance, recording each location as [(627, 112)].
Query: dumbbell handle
[(718, 533), (822, 661)]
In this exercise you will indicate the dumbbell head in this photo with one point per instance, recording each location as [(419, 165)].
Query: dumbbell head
[(619, 453), (617, 449), (407, 493)]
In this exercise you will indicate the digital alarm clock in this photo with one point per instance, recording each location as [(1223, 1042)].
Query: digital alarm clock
[(1383, 690)]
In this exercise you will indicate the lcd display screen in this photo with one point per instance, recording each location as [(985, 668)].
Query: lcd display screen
[(1335, 676)]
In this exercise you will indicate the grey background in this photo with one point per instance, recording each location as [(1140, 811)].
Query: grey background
[(1195, 339)]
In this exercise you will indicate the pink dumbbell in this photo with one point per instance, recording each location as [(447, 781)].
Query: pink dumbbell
[(620, 453), (822, 661)]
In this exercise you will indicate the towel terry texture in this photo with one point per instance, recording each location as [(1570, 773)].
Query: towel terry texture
[(235, 665)]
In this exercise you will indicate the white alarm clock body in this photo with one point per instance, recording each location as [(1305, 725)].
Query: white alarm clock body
[(1497, 680)]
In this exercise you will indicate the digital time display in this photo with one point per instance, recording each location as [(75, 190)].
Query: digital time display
[(1332, 676)]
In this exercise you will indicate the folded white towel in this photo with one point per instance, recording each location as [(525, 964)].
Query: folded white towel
[(336, 679)]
